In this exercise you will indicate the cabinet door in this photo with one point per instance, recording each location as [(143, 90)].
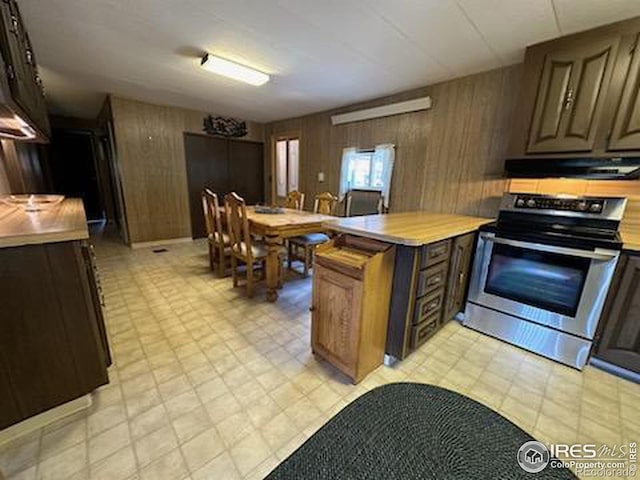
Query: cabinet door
[(458, 275), (14, 55), (625, 134), (570, 97), (335, 318), (620, 340)]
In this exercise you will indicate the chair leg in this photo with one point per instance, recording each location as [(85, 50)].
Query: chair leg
[(263, 266), (234, 270), (221, 261), (289, 254), (307, 250), (211, 255), (250, 279)]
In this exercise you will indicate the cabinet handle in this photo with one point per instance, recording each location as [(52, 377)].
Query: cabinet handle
[(11, 72), (569, 99), (14, 25), (434, 280), (460, 277)]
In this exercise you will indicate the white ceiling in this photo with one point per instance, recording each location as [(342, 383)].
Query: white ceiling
[(320, 53)]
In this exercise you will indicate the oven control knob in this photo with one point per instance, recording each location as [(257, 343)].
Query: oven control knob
[(595, 207), (531, 203), (520, 202), (582, 206)]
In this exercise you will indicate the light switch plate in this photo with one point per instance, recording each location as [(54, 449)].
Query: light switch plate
[(321, 177)]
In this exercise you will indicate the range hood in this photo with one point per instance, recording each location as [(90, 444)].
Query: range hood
[(611, 168), (13, 127)]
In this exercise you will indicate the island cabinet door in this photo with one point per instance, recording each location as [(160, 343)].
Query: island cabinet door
[(458, 275), (335, 318), (571, 94), (619, 342)]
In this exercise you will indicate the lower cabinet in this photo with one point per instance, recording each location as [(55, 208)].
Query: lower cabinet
[(53, 345), (461, 257), (351, 291), (619, 335), (429, 289)]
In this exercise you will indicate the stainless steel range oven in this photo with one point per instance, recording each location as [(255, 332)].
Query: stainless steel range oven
[(542, 272)]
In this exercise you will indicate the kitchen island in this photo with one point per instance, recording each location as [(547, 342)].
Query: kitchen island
[(52, 335), (433, 254)]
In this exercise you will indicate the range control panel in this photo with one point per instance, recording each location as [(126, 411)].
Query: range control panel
[(554, 203)]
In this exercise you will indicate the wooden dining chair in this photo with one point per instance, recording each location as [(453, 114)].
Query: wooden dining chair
[(243, 247), (218, 239), (294, 200), (324, 203)]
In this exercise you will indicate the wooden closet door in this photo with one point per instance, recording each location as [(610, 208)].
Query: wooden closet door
[(206, 166), (246, 170)]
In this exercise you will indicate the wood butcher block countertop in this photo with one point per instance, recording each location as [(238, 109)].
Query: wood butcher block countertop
[(62, 223), (411, 228)]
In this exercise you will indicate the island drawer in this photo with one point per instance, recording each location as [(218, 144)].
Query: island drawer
[(432, 278), (435, 253), (423, 331), (429, 305)]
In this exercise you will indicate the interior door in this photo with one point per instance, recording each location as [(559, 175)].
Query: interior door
[(571, 96), (246, 170), (626, 127), (206, 167)]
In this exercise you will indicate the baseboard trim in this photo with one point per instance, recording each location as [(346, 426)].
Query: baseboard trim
[(160, 243), (45, 418), (615, 370)]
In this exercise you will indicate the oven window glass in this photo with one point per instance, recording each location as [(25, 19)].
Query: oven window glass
[(550, 281)]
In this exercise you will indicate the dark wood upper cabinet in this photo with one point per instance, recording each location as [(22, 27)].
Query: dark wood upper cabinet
[(619, 337), (571, 96), (579, 95), (21, 90), (625, 134)]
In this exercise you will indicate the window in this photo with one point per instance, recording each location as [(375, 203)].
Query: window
[(287, 165), (368, 170)]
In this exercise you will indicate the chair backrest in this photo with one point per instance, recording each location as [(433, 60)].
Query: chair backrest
[(237, 223), (363, 202), (325, 203), (211, 208), (295, 200)]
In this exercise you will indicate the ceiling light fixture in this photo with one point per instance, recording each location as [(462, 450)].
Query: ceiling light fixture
[(233, 70)]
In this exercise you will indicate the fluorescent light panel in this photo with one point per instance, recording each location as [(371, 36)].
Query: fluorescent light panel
[(233, 70), (383, 111)]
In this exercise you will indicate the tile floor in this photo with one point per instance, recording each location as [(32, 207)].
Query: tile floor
[(207, 384)]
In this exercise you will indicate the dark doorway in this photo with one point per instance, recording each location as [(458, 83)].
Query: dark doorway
[(224, 166), (73, 169)]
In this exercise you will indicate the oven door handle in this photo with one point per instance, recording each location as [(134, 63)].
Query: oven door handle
[(597, 254)]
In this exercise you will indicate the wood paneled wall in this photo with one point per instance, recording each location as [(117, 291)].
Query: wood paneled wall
[(448, 159), (629, 189), (151, 158)]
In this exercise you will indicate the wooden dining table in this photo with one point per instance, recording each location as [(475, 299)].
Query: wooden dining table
[(274, 228)]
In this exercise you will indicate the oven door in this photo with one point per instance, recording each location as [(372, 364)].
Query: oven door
[(564, 288)]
